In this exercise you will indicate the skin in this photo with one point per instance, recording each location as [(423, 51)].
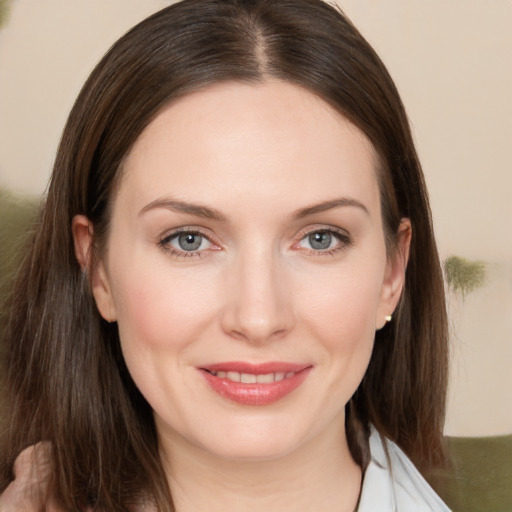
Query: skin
[(260, 156)]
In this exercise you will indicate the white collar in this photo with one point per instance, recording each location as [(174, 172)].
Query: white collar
[(393, 484)]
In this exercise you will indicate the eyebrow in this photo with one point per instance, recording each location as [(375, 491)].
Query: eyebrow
[(211, 213), (184, 207), (329, 205)]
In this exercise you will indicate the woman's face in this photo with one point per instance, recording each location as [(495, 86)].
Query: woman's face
[(246, 268)]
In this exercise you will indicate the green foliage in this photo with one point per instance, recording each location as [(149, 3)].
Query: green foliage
[(480, 479), (4, 11), (463, 275), (16, 218)]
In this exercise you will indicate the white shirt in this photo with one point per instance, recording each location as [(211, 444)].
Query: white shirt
[(393, 484)]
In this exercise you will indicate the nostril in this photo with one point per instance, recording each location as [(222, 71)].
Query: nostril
[(258, 310)]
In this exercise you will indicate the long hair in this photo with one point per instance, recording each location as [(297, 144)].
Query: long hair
[(65, 380)]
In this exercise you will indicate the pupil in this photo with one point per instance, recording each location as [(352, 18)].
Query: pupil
[(189, 242), (320, 240)]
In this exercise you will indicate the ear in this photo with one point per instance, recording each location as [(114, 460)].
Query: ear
[(394, 277), (83, 237)]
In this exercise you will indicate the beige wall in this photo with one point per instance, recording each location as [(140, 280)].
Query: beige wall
[(451, 62)]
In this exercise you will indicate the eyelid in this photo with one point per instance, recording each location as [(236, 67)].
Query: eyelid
[(314, 228), (344, 237), (164, 241)]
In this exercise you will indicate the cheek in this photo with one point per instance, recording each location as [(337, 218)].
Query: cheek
[(160, 316), (158, 309), (343, 300), (340, 310)]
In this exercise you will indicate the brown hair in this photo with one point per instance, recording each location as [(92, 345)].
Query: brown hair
[(65, 378)]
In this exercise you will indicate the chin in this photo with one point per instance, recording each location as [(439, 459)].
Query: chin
[(247, 449), (256, 438)]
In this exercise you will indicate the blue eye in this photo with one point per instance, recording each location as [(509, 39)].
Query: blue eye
[(186, 242), (324, 240), (320, 240)]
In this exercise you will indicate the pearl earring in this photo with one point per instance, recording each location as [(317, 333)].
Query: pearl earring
[(389, 318)]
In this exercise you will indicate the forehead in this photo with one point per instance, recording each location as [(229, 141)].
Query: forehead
[(275, 140)]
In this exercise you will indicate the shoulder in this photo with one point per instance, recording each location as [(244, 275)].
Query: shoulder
[(392, 482)]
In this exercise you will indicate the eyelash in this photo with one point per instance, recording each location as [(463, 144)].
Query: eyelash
[(344, 241), (164, 243), (343, 238)]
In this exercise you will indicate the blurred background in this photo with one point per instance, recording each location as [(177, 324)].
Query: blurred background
[(451, 61)]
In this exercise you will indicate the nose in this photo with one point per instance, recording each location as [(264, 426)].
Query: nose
[(258, 304)]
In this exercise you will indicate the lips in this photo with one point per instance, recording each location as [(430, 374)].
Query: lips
[(255, 384)]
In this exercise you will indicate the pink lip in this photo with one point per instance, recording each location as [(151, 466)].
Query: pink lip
[(258, 393), (256, 368)]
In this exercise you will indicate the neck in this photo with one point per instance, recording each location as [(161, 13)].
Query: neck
[(320, 475)]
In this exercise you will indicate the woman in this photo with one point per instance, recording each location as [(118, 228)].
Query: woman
[(233, 297)]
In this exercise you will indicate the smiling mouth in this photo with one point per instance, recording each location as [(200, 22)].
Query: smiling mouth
[(248, 384), (250, 378)]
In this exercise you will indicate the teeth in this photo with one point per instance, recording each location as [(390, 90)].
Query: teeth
[(234, 376), (265, 379), (249, 378)]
